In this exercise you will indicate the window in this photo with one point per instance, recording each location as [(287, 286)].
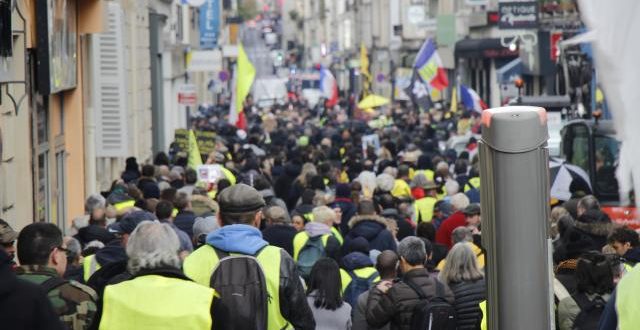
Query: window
[(43, 198), (580, 147), (606, 162), (61, 188)]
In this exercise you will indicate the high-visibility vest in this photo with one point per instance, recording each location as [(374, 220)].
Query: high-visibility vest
[(156, 302), (301, 239), (401, 189), (336, 233), (423, 208), (364, 272), (200, 264), (89, 266), (627, 305), (472, 183), (483, 308), (121, 206), (228, 175)]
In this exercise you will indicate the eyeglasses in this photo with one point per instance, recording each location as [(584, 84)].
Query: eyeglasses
[(65, 250)]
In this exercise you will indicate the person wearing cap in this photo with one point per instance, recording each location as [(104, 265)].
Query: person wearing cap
[(319, 228), (109, 264), (240, 216), (423, 207), (201, 228), (43, 261), (7, 240), (159, 296), (279, 231), (464, 214)]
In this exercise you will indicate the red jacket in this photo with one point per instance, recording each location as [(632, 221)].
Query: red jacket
[(443, 235)]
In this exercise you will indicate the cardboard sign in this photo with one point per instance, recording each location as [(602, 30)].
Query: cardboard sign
[(210, 173)]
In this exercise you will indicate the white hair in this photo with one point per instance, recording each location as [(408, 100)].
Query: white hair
[(442, 166), (368, 181), (385, 182), (391, 171), (459, 201), (94, 201), (452, 187), (324, 214), (152, 245)]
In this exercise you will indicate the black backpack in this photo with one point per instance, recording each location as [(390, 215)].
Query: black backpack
[(241, 285), (590, 311), (435, 314)]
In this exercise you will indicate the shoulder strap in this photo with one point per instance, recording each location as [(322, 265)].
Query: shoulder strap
[(52, 283), (415, 288)]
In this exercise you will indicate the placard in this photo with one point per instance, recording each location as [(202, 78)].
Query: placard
[(518, 15)]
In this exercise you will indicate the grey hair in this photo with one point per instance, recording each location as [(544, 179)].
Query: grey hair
[(459, 201), (74, 248), (152, 245), (589, 202), (94, 201), (461, 265), (419, 180), (452, 187), (412, 249), (461, 234)]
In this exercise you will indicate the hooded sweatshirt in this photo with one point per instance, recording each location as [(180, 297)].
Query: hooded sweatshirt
[(238, 238)]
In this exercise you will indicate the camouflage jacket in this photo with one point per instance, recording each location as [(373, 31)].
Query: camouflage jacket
[(73, 302)]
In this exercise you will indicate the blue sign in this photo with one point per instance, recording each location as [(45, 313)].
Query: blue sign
[(209, 24)]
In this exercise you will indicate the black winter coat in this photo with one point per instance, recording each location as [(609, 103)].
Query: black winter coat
[(398, 304), (374, 229), (468, 296), (23, 305), (184, 221), (280, 235)]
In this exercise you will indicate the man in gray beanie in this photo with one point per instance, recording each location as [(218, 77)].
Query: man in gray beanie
[(240, 216)]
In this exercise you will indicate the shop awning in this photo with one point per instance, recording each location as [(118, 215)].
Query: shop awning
[(483, 48)]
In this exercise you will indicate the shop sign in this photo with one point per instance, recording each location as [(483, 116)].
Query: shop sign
[(56, 26), (518, 15), (187, 95), (209, 24)]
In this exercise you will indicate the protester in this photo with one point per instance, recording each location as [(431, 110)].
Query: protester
[(346, 205), (164, 212), (427, 231), (464, 234), (201, 228), (466, 214), (357, 272), (24, 305), (8, 238), (463, 275), (395, 303), (279, 231), (74, 269), (317, 236), (240, 216), (595, 279), (190, 178), (158, 290), (386, 265), (96, 230), (43, 261), (626, 243), (329, 310), (185, 217), (370, 226)]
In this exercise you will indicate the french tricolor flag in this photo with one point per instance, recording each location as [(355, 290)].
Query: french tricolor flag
[(471, 99), (329, 87), (429, 66)]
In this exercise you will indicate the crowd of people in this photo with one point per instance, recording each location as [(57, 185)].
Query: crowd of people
[(306, 228)]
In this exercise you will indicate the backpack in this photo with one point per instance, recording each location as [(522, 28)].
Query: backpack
[(240, 282), (590, 312), (436, 314), (312, 250), (357, 286)]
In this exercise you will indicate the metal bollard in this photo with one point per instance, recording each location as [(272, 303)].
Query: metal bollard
[(514, 168)]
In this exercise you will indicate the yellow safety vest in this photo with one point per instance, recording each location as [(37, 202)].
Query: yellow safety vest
[(89, 266), (364, 272), (476, 251), (483, 308), (427, 174), (121, 206), (475, 182), (174, 212), (423, 208), (336, 233), (301, 239), (401, 189), (156, 302), (200, 264), (627, 305), (228, 175)]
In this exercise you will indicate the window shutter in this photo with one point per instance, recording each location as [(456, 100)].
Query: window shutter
[(108, 81)]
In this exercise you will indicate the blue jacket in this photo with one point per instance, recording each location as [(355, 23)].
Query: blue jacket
[(356, 260), (374, 229), (243, 239)]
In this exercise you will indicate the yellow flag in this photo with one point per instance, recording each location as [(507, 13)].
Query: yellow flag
[(195, 159), (454, 100), (364, 69), (244, 76)]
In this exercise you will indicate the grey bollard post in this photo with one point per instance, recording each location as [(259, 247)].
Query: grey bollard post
[(514, 168)]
